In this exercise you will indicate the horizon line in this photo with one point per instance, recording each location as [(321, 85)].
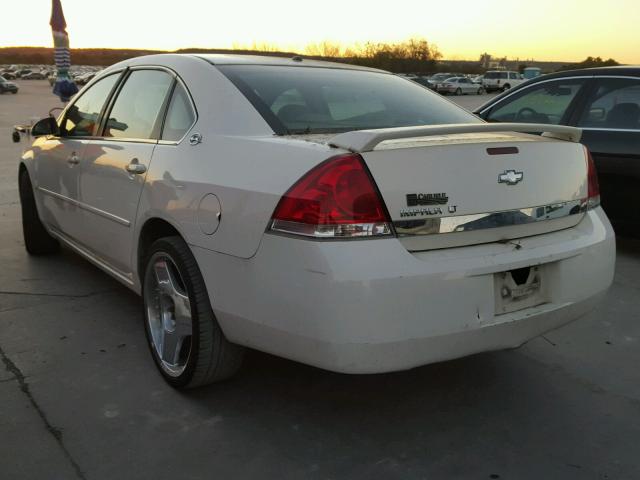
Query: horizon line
[(271, 52)]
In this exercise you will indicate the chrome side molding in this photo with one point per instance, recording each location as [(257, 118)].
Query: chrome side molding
[(482, 221)]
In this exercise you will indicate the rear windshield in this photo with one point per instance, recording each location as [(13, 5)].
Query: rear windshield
[(300, 100), (490, 75)]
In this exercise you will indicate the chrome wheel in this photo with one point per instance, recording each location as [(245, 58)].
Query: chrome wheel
[(168, 312)]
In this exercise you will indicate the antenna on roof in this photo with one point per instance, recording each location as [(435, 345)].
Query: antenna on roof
[(297, 58)]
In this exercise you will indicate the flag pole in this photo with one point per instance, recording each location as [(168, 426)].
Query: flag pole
[(64, 87)]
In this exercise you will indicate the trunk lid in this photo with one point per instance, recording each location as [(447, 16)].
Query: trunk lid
[(452, 190)]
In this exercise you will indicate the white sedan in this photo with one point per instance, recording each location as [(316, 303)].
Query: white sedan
[(334, 215), (459, 86)]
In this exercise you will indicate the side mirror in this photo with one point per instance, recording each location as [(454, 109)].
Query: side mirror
[(46, 126)]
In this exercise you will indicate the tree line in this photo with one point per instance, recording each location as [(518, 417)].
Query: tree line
[(415, 55)]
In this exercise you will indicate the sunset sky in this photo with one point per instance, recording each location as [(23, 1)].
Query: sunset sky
[(564, 30)]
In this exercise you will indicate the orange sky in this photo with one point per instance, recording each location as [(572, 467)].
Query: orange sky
[(563, 30)]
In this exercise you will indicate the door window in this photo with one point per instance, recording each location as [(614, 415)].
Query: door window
[(544, 103), (137, 108), (81, 119), (615, 103), (180, 115)]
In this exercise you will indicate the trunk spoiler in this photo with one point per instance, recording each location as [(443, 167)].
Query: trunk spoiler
[(367, 140)]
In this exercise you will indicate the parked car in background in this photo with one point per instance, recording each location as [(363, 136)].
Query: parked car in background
[(501, 80), (478, 79), (9, 75), (7, 87), (422, 80), (33, 76), (439, 78), (22, 72), (326, 213), (605, 104), (531, 72), (85, 78), (459, 86)]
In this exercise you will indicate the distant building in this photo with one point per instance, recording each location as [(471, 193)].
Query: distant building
[(489, 63)]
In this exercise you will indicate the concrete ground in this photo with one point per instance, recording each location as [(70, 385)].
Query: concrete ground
[(80, 397)]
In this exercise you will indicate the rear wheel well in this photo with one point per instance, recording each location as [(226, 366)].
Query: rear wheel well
[(152, 230)]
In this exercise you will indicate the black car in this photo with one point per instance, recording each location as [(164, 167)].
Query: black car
[(6, 86), (605, 104)]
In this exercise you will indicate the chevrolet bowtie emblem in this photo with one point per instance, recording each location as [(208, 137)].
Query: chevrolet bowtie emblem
[(510, 177)]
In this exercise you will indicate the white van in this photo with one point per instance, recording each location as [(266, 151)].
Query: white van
[(501, 80)]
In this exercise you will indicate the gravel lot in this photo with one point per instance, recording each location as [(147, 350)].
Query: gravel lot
[(80, 397)]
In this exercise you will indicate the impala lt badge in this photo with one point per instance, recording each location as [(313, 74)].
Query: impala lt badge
[(428, 203), (510, 177)]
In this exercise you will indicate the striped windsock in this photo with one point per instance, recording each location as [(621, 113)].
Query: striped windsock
[(64, 87)]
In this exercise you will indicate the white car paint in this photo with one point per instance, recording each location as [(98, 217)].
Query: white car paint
[(501, 80), (459, 85), (352, 305)]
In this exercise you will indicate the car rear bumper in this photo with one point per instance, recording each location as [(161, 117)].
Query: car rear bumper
[(372, 306)]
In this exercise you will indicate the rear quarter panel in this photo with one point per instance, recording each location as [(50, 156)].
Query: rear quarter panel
[(248, 175)]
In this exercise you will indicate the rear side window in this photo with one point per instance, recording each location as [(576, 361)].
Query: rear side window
[(81, 119), (297, 100), (137, 107), (180, 115), (544, 103), (495, 75), (615, 103)]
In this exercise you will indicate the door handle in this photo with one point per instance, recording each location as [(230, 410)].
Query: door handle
[(73, 159), (135, 167)]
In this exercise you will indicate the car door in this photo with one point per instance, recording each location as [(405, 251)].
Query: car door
[(548, 102), (115, 164), (610, 120), (467, 86), (514, 79), (57, 162)]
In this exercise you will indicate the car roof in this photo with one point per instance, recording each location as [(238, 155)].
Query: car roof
[(272, 60), (236, 59), (625, 70)]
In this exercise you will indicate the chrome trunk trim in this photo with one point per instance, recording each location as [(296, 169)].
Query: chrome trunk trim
[(483, 221)]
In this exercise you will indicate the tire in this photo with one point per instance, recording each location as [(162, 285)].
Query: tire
[(14, 92), (37, 240), (480, 91), (458, 92), (506, 87), (205, 356)]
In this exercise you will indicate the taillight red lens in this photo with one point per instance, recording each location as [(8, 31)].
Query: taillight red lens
[(593, 188), (335, 199)]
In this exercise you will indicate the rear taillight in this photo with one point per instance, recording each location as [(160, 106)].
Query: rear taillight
[(593, 188), (336, 199)]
